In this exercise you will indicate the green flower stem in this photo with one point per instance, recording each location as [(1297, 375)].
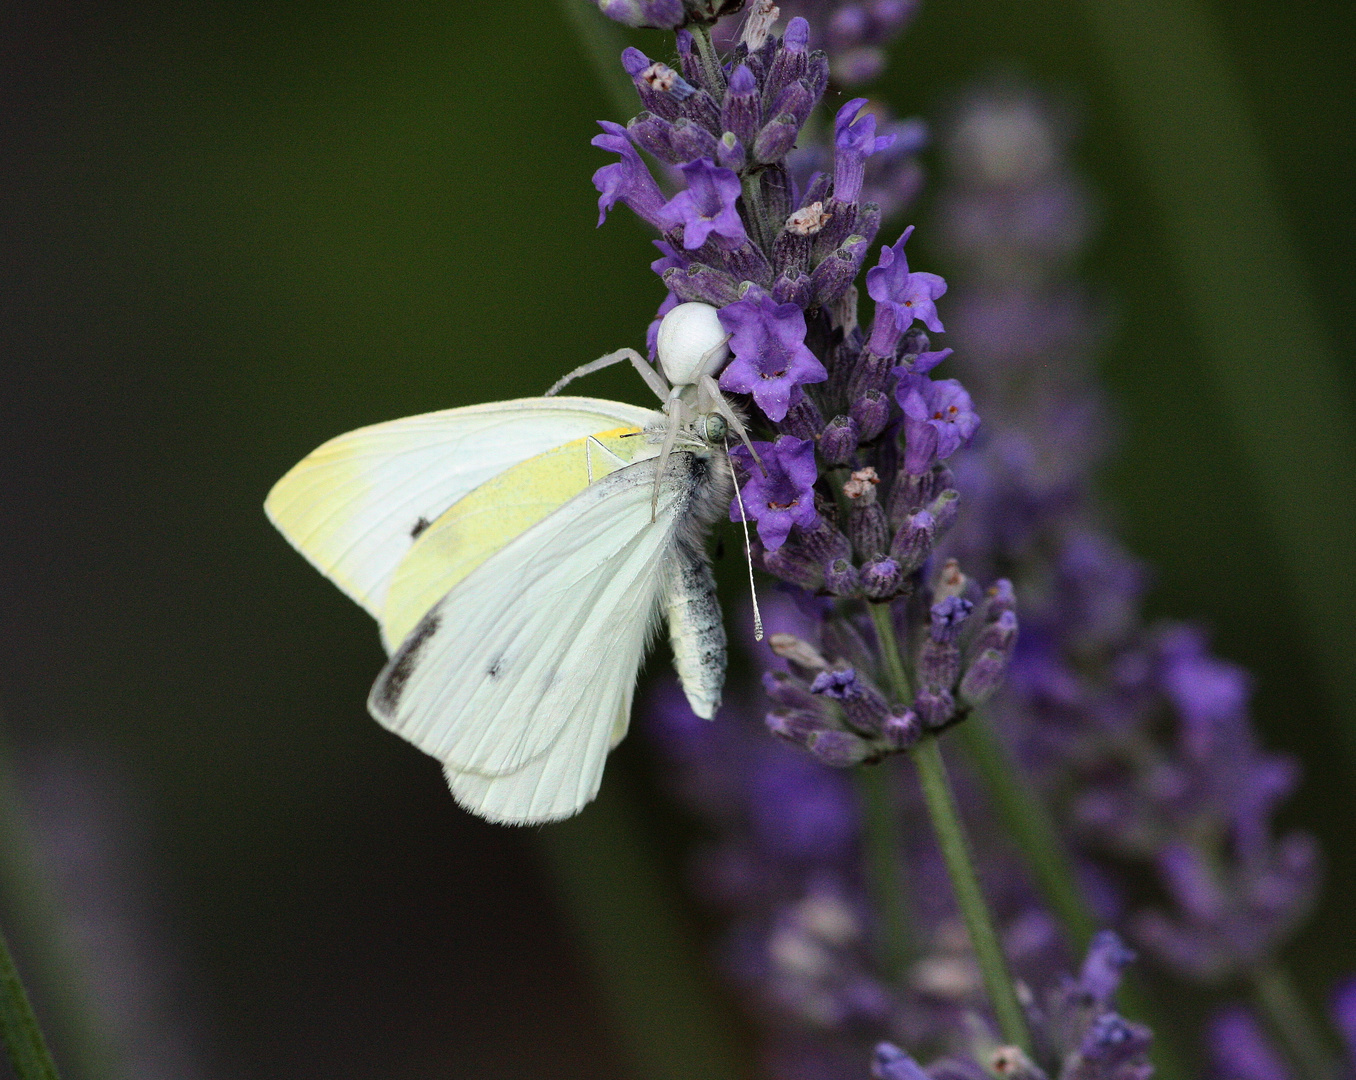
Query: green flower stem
[(23, 1038), (706, 51), (1291, 1021), (896, 676), (884, 866), (1029, 824), (946, 823)]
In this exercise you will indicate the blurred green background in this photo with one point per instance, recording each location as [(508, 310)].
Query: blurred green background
[(231, 231)]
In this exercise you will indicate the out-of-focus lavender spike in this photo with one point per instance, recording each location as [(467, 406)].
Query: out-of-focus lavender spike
[(1240, 1049)]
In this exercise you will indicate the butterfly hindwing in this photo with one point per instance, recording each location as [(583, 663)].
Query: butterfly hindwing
[(518, 678)]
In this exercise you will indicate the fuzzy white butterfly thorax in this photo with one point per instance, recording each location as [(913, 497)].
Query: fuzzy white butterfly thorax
[(518, 566)]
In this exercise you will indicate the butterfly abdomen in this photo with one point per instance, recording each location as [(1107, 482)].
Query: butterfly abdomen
[(696, 629)]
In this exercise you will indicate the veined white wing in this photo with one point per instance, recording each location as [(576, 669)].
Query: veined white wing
[(519, 679), (355, 506)]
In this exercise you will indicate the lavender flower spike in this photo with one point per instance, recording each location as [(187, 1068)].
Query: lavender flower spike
[(854, 140), (627, 180), (784, 495), (707, 208), (771, 360), (902, 296)]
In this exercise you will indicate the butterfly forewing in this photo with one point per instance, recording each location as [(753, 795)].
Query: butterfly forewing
[(356, 505), (478, 525)]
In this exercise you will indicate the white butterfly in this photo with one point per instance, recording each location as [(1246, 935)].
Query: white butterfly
[(517, 557)]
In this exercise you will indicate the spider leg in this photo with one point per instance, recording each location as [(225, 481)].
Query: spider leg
[(714, 357), (708, 392), (652, 378)]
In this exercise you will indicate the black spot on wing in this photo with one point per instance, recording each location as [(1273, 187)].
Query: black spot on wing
[(392, 682), (419, 527), (493, 671)]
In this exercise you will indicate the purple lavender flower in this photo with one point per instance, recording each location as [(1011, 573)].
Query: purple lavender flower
[(783, 495), (627, 180), (771, 360), (938, 419), (901, 295), (854, 140), (707, 208)]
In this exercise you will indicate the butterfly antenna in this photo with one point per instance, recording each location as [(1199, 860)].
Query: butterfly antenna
[(748, 553)]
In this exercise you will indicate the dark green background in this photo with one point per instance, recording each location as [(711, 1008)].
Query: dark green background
[(231, 231)]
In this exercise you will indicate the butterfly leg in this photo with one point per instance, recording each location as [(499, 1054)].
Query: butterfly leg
[(675, 411), (653, 379)]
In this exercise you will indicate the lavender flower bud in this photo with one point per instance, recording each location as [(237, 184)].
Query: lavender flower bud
[(702, 283), (791, 564), (791, 249), (776, 139), (914, 492), (691, 141), (867, 527), (841, 223), (882, 579), (1112, 1041), (938, 665), (840, 749), (840, 578), (913, 543), (944, 509), (832, 277), (742, 111), (803, 420), (947, 619), (748, 264), (983, 677), (891, 1063), (1107, 957), (655, 134), (1000, 633), (872, 413), (791, 61), (935, 708), (999, 598), (899, 732), (792, 287), (871, 372), (824, 543), (730, 153), (796, 101), (861, 702), (797, 728), (789, 692), (817, 73), (839, 441), (701, 108), (661, 89)]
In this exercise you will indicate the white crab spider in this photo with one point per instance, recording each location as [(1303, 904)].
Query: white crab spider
[(692, 347)]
